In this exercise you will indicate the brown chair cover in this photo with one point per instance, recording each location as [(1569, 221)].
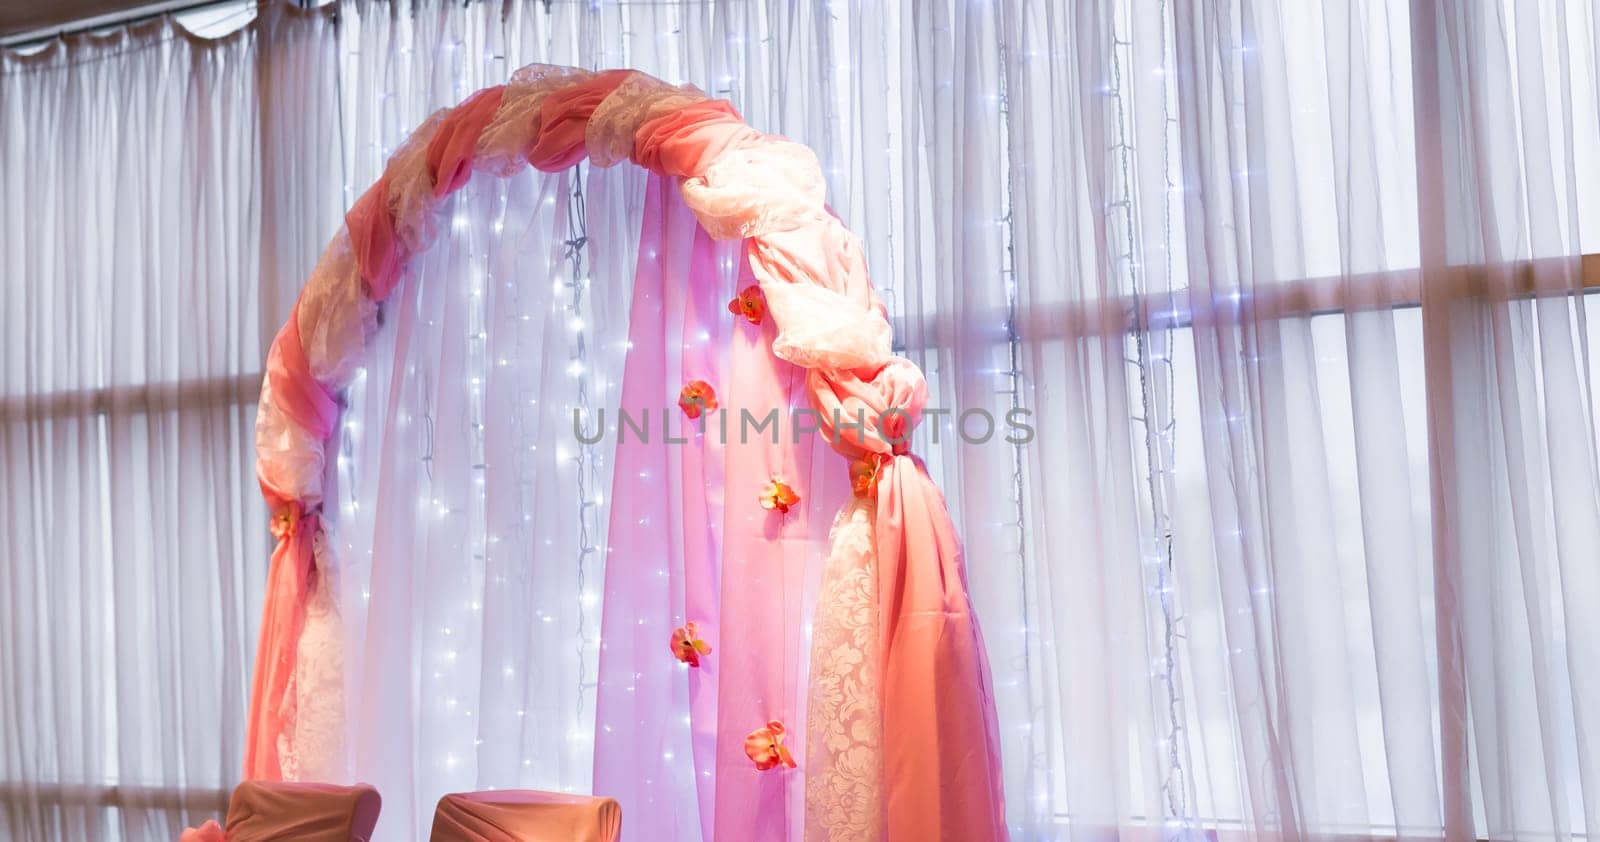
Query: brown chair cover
[(523, 815), (305, 812)]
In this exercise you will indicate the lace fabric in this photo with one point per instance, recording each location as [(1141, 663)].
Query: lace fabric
[(821, 329), (312, 748), (844, 794), (503, 146), (411, 198), (336, 316), (768, 186), (611, 129), (810, 265), (288, 457)]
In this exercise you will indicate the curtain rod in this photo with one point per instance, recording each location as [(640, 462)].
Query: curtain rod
[(127, 17), (152, 11)]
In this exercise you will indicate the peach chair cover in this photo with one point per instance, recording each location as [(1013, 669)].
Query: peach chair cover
[(304, 812), (523, 815)]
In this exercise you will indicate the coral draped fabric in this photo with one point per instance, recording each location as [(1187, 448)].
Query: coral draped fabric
[(290, 578), (560, 133), (289, 585), (935, 679), (372, 234), (686, 141), (295, 391), (827, 340), (450, 150)]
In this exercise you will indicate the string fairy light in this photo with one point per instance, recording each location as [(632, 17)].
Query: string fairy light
[(1013, 395), (1157, 403), (586, 468)]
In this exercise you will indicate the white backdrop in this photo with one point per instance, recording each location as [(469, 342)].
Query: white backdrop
[(130, 345), (1377, 614)]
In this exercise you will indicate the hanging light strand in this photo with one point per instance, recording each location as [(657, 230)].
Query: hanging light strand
[(1152, 355), (586, 469), (1012, 393)]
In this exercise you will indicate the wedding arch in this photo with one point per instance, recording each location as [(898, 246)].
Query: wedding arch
[(900, 708)]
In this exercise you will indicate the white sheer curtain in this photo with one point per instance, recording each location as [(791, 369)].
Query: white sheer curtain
[(1303, 543), (476, 665), (130, 299), (1509, 162), (1363, 438)]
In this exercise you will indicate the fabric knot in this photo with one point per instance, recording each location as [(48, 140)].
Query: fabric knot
[(873, 415)]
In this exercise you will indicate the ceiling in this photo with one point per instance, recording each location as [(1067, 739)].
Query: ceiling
[(19, 16)]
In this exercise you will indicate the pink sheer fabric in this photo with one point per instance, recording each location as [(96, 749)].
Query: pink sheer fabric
[(519, 815), (504, 145), (939, 756), (296, 392), (642, 756), (929, 635), (765, 555), (938, 762), (637, 100)]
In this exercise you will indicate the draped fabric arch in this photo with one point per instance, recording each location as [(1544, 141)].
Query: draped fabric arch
[(899, 709)]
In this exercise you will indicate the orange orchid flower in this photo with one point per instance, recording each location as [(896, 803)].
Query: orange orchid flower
[(778, 495), (864, 477), (765, 747), (697, 397), (750, 303), (687, 645), (286, 523)]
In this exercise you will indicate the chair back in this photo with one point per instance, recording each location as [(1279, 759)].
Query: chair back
[(305, 812), (525, 815)]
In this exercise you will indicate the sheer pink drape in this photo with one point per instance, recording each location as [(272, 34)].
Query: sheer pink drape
[(661, 568)]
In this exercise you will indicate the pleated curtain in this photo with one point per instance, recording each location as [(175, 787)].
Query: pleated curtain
[(1293, 296)]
